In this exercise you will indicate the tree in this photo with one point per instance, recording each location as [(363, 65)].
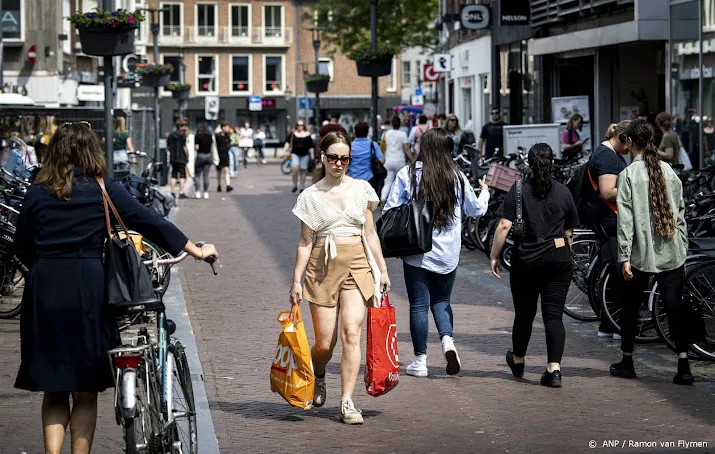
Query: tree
[(401, 24)]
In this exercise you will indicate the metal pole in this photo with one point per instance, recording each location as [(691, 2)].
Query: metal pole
[(182, 79), (316, 47), (158, 155), (373, 42), (701, 106), (108, 5), (296, 27), (2, 60)]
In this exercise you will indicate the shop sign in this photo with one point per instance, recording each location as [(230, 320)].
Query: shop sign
[(694, 73), (13, 88), (90, 93), (268, 103), (525, 136), (10, 22), (514, 12), (474, 17), (255, 104)]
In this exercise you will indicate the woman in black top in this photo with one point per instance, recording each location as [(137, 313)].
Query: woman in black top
[(301, 148), (541, 263), (203, 142), (65, 333)]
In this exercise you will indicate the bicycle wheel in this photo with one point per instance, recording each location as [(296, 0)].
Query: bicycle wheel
[(481, 233), (286, 167), (142, 432), (468, 224), (12, 286), (182, 400), (578, 305), (611, 309), (592, 276)]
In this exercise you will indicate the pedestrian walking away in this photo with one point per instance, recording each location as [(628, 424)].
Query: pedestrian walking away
[(541, 264), (599, 210), (340, 254), (65, 330), (245, 142), (652, 242), (223, 145), (206, 157), (302, 149), (397, 154), (259, 140), (669, 148), (178, 156), (362, 153), (429, 277)]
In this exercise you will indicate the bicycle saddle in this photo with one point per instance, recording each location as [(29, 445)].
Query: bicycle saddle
[(144, 305)]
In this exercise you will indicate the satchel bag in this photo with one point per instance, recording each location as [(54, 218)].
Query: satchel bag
[(126, 277), (379, 172), (407, 230), (517, 229)]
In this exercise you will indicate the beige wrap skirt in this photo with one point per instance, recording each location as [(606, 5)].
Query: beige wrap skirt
[(347, 271)]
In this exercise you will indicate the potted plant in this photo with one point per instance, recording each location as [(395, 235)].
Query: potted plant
[(317, 83), (179, 91), (106, 33), (373, 62), (154, 75)]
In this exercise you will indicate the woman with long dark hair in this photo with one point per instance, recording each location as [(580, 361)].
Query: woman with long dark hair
[(206, 156), (652, 242), (541, 262), (340, 254), (429, 277), (64, 328)]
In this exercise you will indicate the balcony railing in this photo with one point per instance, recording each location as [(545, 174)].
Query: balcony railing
[(203, 35), (545, 12)]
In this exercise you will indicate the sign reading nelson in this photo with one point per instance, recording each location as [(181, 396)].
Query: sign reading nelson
[(514, 12)]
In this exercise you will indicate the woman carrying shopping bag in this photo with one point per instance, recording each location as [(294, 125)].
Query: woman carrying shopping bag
[(345, 272), (541, 264), (429, 277)]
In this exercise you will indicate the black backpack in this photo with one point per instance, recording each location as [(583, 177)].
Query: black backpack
[(581, 189)]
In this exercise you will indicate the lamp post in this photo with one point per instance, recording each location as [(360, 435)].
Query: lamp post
[(316, 47), (373, 43), (182, 79), (287, 94), (108, 5)]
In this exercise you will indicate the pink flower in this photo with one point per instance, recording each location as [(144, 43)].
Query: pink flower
[(131, 19)]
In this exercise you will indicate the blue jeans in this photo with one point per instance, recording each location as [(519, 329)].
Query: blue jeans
[(426, 290), (233, 160)]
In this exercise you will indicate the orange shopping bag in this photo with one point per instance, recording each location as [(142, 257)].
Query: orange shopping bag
[(292, 369)]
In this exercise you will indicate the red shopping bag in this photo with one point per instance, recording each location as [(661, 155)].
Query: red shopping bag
[(382, 371)]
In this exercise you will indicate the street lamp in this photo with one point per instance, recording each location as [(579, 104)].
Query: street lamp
[(316, 47), (287, 93)]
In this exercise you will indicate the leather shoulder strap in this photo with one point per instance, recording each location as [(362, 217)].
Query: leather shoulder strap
[(519, 214), (108, 201)]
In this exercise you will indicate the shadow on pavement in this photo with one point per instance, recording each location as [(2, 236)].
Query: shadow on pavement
[(282, 411)]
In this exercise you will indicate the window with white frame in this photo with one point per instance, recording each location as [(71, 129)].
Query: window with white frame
[(241, 74), (273, 21), (273, 73), (325, 66), (13, 19), (175, 61), (240, 21), (708, 15), (171, 19), (392, 78), (206, 19), (206, 74), (406, 73)]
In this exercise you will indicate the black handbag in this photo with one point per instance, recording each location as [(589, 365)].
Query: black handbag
[(379, 172), (517, 228), (407, 230), (127, 279)]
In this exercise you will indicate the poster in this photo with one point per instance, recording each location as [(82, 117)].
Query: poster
[(526, 136), (628, 113), (562, 108)]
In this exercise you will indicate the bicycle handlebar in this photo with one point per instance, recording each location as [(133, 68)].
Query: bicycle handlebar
[(211, 260)]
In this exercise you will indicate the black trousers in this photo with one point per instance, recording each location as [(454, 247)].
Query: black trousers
[(548, 277), (670, 287)]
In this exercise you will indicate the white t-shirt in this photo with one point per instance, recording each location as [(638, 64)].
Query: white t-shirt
[(246, 137), (394, 146)]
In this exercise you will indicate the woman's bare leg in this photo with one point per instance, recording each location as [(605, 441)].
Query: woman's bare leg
[(55, 417), (325, 323), (83, 421), (352, 314)]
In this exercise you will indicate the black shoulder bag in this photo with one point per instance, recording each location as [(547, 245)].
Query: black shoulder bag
[(407, 230), (127, 279), (517, 229), (379, 172)]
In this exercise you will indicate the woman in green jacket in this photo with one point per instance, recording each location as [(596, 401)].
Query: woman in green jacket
[(652, 242)]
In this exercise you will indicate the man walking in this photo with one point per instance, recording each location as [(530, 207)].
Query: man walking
[(178, 156), (492, 134)]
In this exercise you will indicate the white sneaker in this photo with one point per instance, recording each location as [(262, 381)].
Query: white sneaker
[(616, 336), (206, 195), (349, 414), (418, 368), (198, 194), (605, 335), (263, 161), (450, 354)]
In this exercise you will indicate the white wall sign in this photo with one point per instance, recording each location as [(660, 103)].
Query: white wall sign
[(526, 136), (442, 63), (90, 93), (563, 108), (211, 107)]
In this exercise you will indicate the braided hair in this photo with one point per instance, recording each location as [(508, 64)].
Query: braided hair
[(641, 133)]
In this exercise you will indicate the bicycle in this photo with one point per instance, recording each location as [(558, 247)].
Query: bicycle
[(153, 398)]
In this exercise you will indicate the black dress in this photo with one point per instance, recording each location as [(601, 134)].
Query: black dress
[(64, 329)]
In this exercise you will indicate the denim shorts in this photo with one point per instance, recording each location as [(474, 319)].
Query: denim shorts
[(300, 161)]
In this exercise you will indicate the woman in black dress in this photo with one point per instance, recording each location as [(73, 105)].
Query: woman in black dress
[(60, 236)]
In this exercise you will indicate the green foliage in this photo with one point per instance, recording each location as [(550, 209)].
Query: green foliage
[(401, 24), (316, 78), (178, 87), (154, 70), (367, 54), (120, 19)]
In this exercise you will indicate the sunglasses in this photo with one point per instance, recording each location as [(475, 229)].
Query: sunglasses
[(300, 125), (85, 123), (333, 159)]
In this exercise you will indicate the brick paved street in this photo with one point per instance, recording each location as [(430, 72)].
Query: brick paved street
[(484, 409)]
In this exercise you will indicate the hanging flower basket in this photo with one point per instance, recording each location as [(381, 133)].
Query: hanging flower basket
[(317, 84), (107, 33), (155, 75), (373, 62), (180, 91)]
